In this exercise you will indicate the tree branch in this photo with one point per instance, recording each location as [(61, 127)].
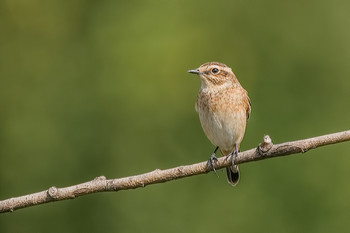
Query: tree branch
[(100, 184)]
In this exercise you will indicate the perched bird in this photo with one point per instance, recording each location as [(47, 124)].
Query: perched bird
[(224, 107)]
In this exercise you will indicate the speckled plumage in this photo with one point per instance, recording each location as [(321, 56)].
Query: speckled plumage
[(224, 107)]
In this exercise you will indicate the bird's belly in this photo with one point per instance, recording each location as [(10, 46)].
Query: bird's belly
[(224, 129)]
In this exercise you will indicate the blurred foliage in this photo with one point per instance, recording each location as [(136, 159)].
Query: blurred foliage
[(91, 88)]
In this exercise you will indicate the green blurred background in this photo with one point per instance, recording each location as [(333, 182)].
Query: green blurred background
[(91, 88)]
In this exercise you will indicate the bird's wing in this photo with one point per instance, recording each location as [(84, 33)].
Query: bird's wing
[(249, 108)]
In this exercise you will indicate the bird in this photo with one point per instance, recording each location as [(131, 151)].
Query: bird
[(224, 107)]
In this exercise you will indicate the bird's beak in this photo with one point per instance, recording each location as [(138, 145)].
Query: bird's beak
[(196, 71)]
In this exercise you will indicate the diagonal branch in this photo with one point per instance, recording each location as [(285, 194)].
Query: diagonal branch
[(100, 184)]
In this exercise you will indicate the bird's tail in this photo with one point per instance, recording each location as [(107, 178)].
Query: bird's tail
[(232, 175)]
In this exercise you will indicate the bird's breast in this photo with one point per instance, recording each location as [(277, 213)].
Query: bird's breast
[(222, 116)]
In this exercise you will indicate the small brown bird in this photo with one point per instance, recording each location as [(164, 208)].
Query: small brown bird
[(224, 107)]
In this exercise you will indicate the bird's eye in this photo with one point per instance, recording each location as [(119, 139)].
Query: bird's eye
[(215, 70)]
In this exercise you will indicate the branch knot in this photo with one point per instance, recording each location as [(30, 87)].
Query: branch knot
[(265, 146), (53, 192)]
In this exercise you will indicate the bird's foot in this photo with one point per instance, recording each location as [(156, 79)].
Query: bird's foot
[(211, 162), (232, 156)]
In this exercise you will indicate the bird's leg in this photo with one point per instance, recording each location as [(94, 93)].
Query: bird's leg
[(213, 160), (233, 155)]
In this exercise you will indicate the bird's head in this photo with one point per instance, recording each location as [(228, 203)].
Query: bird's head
[(215, 74)]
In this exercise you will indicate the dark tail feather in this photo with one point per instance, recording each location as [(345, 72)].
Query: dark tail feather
[(232, 174)]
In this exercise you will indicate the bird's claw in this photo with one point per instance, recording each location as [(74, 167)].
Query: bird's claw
[(212, 162), (232, 156)]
